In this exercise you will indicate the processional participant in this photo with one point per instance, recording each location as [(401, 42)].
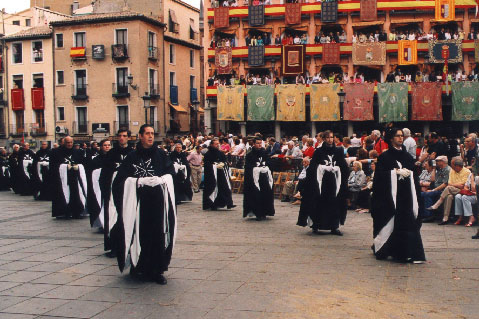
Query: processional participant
[(13, 164), (181, 179), (395, 205), (24, 170), (41, 173), (323, 203), (217, 186), (4, 171), (144, 197), (258, 200), (69, 182)]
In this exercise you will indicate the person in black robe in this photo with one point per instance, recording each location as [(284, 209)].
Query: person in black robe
[(144, 197), (4, 171), (217, 186), (325, 191), (25, 170), (69, 183), (41, 173), (181, 179), (13, 164), (395, 205), (258, 200)]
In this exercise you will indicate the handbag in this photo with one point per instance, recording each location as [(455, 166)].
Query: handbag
[(466, 192)]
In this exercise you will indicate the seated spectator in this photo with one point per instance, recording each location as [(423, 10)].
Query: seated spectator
[(309, 151), (342, 38), (293, 188), (439, 180), (356, 181), (464, 200), (364, 196), (425, 176)]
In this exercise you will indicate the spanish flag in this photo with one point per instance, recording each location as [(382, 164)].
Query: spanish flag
[(77, 52)]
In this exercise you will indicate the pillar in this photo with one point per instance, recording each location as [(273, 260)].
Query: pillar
[(243, 128), (313, 129), (208, 124), (277, 130)]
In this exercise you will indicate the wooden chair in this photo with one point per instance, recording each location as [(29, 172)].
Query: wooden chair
[(276, 183), (237, 184)]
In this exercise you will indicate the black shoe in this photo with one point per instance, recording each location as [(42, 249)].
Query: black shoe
[(444, 222), (230, 206), (214, 208), (428, 219), (285, 199), (475, 236), (336, 232), (111, 254), (161, 280)]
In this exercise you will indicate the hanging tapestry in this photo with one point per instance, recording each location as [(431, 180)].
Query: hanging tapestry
[(476, 50), (371, 53), (256, 55), (329, 11), (256, 15), (445, 10), (293, 59), (222, 17), (407, 52), (368, 10), (291, 102), (223, 60), (392, 101), (331, 53), (230, 103), (440, 48), (426, 101), (324, 101), (465, 99), (292, 14), (260, 102), (358, 102)]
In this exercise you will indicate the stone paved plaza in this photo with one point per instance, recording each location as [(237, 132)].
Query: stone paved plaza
[(227, 267)]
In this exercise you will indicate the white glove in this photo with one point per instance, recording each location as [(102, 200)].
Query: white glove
[(149, 181), (220, 165), (403, 173)]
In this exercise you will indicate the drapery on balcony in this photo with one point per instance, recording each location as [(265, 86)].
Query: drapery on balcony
[(18, 99), (153, 53), (78, 53), (193, 95), (80, 128), (119, 51), (154, 91), (120, 90), (79, 91), (124, 125), (174, 94), (38, 129), (38, 99), (17, 130)]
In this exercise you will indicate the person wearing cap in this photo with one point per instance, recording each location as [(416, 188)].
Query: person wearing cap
[(439, 180)]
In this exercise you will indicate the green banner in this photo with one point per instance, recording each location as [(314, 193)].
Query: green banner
[(260, 102), (392, 100), (465, 99)]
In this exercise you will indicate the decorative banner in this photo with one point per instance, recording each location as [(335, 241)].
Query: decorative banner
[(223, 60), (222, 17), (407, 52), (329, 11), (445, 10), (436, 48), (392, 101), (331, 52), (256, 15), (426, 101), (292, 14), (230, 103), (293, 59), (256, 55), (465, 98), (371, 53), (291, 102), (260, 102), (476, 50), (324, 100), (368, 10), (358, 102)]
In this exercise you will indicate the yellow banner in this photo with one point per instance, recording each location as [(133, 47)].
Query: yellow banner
[(291, 102), (230, 103), (325, 102)]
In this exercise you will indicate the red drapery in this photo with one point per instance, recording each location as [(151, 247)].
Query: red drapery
[(358, 103), (223, 60), (293, 59), (426, 101), (368, 10), (292, 13), (331, 53), (222, 17)]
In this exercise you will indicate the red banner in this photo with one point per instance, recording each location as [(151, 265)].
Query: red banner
[(223, 60), (293, 59), (426, 101), (331, 53), (222, 17), (38, 101), (292, 13), (18, 102), (358, 102), (368, 10)]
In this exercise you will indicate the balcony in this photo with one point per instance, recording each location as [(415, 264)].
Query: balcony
[(120, 91), (80, 128), (78, 53), (38, 129), (119, 52), (153, 53), (121, 125), (174, 94), (79, 92), (17, 130), (154, 91), (194, 95)]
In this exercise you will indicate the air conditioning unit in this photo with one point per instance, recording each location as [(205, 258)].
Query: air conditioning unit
[(61, 130)]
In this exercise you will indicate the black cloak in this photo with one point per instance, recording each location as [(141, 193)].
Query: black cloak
[(95, 187), (258, 201), (183, 191), (4, 174), (13, 163), (42, 188), (25, 172), (216, 181)]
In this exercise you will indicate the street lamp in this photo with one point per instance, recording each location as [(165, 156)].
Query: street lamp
[(341, 95), (129, 79), (146, 104)]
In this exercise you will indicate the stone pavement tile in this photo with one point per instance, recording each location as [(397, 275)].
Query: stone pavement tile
[(50, 267), (217, 287), (19, 265), (231, 275), (36, 249), (92, 251), (108, 270), (58, 278), (208, 264), (80, 309), (248, 302), (203, 300), (5, 272), (28, 290), (85, 269), (101, 260), (8, 301), (23, 276), (225, 256), (15, 255), (67, 292), (192, 273), (126, 311), (74, 259), (179, 263), (7, 285), (89, 243), (177, 312), (233, 314), (17, 316), (35, 306), (124, 280), (94, 281)]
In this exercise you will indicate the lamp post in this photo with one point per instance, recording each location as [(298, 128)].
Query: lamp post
[(341, 95), (146, 104), (129, 80)]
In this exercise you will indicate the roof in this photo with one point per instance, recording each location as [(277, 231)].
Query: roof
[(31, 33), (107, 17)]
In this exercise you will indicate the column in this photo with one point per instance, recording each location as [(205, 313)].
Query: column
[(208, 123), (277, 130), (243, 128), (313, 129)]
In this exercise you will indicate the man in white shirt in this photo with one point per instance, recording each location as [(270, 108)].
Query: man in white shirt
[(409, 143)]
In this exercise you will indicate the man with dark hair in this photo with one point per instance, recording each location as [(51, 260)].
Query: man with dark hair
[(41, 173), (325, 192), (144, 198), (258, 200), (395, 205), (181, 179), (435, 146)]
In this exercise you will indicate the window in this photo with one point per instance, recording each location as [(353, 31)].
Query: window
[(192, 81), (193, 30), (59, 40), (17, 52), (37, 51), (121, 36), (80, 82), (151, 39), (38, 80), (192, 58), (172, 53), (153, 117), (172, 78), (173, 25), (152, 75), (123, 120), (40, 120), (79, 39), (60, 78), (28, 22), (20, 122), (61, 113), (82, 123), (122, 80), (18, 81), (16, 22)]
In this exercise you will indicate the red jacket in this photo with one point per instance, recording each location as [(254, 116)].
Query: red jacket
[(309, 152), (380, 146)]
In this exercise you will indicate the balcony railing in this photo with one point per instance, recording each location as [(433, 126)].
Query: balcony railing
[(79, 92), (17, 130), (174, 94), (38, 129), (119, 51), (80, 128), (121, 125), (153, 53), (120, 90), (38, 56), (154, 91)]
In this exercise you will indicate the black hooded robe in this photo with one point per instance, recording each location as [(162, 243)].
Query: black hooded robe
[(258, 201), (156, 233), (24, 172), (216, 181), (13, 164), (326, 207), (95, 187), (183, 191), (42, 188), (396, 226), (4, 174)]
